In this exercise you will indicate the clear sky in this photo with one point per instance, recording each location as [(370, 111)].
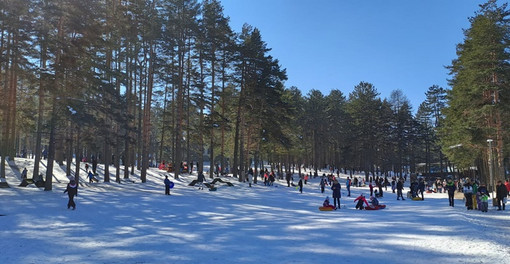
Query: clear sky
[(335, 44)]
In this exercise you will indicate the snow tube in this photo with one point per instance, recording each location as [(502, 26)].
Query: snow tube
[(327, 208), (381, 206), (171, 184)]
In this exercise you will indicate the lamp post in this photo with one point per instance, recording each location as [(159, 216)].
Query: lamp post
[(491, 185)]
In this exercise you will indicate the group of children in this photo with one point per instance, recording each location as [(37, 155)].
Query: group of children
[(476, 197)]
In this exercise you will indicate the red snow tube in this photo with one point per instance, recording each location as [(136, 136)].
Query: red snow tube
[(381, 206)]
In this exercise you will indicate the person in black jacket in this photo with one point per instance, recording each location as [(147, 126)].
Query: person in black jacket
[(201, 179), (400, 187), (450, 187), (288, 177), (421, 187), (336, 187), (501, 193), (71, 190)]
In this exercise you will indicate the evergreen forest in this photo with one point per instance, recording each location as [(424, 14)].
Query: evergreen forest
[(138, 82)]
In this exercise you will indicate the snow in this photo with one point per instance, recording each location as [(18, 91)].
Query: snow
[(137, 223)]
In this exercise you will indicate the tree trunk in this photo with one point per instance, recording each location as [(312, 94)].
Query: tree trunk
[(51, 150), (147, 116), (78, 157)]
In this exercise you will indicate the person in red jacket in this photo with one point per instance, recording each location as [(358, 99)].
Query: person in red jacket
[(507, 185), (360, 201)]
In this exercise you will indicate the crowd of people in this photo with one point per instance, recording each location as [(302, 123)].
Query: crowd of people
[(476, 195)]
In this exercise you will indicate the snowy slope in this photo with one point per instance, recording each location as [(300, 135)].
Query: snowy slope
[(136, 223)]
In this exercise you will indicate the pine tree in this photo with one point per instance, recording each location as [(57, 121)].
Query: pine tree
[(478, 101), (363, 107)]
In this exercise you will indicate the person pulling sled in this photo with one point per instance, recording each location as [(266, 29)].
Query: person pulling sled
[(360, 200)]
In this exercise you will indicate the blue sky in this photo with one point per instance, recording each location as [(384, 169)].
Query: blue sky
[(335, 44)]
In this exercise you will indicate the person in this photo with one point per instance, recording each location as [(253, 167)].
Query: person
[(24, 182), (323, 184), (484, 202), (71, 190), (24, 174), (94, 164), (336, 187), (371, 188), (507, 185), (468, 194), (501, 194), (360, 201), (288, 176), (86, 167), (250, 176), (393, 184), (300, 184), (162, 165), (91, 177), (39, 182), (271, 178), (475, 195), (421, 187), (168, 184), (327, 204), (379, 184), (450, 188), (374, 201), (400, 187), (414, 189), (348, 186), (200, 180)]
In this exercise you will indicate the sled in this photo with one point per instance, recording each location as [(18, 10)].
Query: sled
[(381, 206), (327, 208), (416, 198), (171, 185)]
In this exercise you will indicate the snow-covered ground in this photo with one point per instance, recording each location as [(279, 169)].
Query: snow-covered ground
[(137, 223)]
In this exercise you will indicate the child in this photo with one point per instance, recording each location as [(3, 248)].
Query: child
[(327, 204), (71, 190), (300, 184), (374, 201), (91, 176), (484, 205)]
